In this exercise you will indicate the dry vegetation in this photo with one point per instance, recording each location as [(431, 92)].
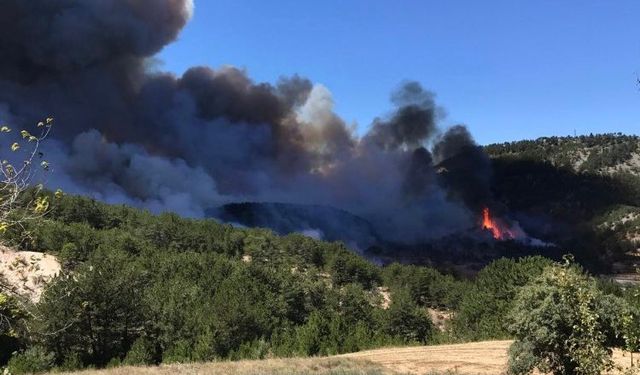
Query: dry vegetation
[(480, 358), (315, 366), (486, 357)]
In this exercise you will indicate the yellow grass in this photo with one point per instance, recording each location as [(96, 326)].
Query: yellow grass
[(480, 358), (293, 366), (486, 357)]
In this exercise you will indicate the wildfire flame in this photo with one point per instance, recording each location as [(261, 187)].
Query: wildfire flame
[(488, 223), (499, 230)]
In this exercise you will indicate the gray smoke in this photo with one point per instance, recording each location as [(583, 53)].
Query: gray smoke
[(127, 133)]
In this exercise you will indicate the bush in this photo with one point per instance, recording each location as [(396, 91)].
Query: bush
[(33, 360), (521, 358), (114, 362), (564, 324), (142, 352), (258, 349), (179, 352), (72, 362)]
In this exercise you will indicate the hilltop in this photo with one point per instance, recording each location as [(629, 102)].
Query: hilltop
[(606, 154), (582, 192)]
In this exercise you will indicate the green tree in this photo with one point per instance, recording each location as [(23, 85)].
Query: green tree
[(406, 320), (562, 323), (482, 311), (96, 311), (11, 326), (631, 322)]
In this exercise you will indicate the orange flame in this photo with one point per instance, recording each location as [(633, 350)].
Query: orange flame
[(500, 229), (488, 223)]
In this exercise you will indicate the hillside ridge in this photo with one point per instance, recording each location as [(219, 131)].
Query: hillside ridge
[(608, 154)]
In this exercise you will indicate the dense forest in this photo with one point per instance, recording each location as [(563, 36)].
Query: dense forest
[(600, 153), (141, 289)]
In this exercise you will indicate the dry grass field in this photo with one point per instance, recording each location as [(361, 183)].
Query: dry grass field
[(481, 358), (486, 357), (292, 366)]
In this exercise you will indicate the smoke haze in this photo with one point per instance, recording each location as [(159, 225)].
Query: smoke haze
[(129, 134)]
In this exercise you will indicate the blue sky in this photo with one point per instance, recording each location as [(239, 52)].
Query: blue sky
[(508, 69)]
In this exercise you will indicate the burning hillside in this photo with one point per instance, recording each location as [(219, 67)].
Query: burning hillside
[(211, 137), (500, 230)]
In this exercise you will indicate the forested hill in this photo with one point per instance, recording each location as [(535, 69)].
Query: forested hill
[(602, 153), (138, 288), (589, 185)]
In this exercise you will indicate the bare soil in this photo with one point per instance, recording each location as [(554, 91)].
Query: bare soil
[(27, 272)]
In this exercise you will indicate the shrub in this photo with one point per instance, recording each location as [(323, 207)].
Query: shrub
[(564, 324), (33, 360), (114, 362), (257, 349), (142, 352), (72, 362), (179, 352)]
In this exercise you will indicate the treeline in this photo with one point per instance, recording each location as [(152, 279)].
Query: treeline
[(585, 153), (137, 288), (613, 155)]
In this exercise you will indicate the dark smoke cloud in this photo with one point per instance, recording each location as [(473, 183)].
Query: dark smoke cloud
[(412, 123), (126, 173), (466, 168), (127, 133), (59, 36)]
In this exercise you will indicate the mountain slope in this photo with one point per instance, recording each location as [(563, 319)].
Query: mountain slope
[(583, 192), (608, 154)]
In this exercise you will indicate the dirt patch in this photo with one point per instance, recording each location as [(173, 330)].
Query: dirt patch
[(385, 297), (440, 318), (27, 272)]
